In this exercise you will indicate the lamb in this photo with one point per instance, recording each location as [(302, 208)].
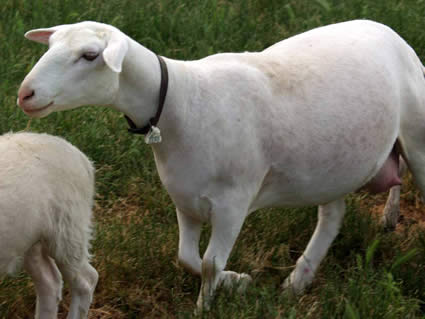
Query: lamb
[(46, 197), (304, 122)]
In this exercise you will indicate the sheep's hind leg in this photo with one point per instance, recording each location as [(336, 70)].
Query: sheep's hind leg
[(47, 280), (391, 211), (330, 219), (412, 128)]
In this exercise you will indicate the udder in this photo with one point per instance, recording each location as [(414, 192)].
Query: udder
[(388, 176)]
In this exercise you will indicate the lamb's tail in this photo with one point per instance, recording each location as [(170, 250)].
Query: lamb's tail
[(69, 239)]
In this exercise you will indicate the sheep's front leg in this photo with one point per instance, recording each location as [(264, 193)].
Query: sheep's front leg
[(189, 234), (47, 281), (225, 229), (330, 218)]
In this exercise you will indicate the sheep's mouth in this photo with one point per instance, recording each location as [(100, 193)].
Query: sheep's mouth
[(35, 111)]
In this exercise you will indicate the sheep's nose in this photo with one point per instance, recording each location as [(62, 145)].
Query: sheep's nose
[(24, 95)]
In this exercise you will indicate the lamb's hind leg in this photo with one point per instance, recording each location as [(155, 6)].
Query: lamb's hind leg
[(47, 281), (72, 256), (330, 218), (82, 279)]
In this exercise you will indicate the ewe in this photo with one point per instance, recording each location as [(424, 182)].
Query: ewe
[(304, 122), (46, 197)]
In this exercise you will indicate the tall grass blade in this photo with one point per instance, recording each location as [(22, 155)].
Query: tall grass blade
[(350, 311), (324, 4), (404, 259), (370, 252)]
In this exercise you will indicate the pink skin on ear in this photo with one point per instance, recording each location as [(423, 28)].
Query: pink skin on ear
[(41, 36)]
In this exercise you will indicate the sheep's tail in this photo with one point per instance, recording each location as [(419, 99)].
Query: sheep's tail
[(69, 235), (69, 239)]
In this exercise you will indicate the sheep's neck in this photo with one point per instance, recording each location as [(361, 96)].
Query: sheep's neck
[(162, 95), (140, 80), (138, 95)]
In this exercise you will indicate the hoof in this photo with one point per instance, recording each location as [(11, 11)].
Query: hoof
[(295, 284), (232, 280), (290, 290), (202, 306), (243, 282)]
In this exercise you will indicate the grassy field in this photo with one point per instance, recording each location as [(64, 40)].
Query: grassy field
[(368, 273)]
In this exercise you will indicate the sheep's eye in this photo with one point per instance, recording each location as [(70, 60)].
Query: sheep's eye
[(90, 56)]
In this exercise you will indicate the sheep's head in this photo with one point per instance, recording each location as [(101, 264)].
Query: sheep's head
[(81, 66)]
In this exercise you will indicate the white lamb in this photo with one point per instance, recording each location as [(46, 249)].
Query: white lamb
[(303, 122), (46, 197)]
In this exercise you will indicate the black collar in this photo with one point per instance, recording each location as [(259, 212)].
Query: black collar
[(162, 94)]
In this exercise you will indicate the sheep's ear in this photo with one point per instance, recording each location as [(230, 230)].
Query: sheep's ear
[(40, 35), (115, 51)]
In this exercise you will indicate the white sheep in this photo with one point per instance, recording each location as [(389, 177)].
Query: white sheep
[(46, 197), (304, 122)]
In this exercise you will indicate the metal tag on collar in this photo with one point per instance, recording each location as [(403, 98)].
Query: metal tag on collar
[(153, 136)]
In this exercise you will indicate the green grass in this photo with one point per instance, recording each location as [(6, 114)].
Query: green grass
[(367, 274)]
